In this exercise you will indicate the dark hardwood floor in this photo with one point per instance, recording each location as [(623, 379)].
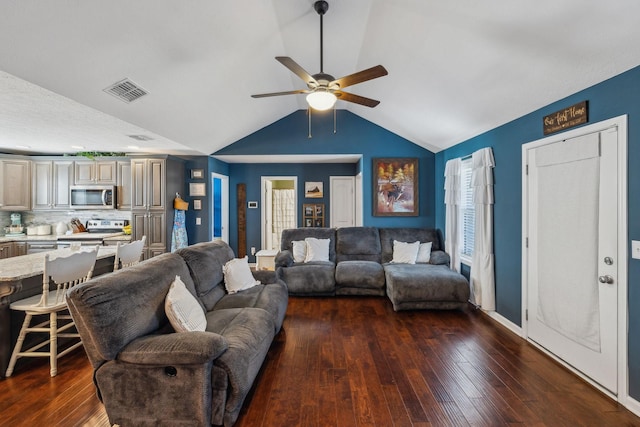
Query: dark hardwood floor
[(355, 362)]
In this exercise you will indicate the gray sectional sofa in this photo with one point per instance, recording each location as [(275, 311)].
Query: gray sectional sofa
[(145, 373), (360, 264)]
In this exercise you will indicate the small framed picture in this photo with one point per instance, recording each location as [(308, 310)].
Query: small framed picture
[(197, 173), (197, 204), (308, 210), (197, 189), (319, 210), (318, 222), (308, 222)]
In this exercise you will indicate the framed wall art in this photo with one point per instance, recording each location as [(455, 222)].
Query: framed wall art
[(197, 189), (395, 187), (313, 190), (197, 173)]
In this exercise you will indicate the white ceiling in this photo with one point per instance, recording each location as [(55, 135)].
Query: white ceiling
[(456, 68)]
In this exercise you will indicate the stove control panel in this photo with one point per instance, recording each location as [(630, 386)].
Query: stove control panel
[(106, 224)]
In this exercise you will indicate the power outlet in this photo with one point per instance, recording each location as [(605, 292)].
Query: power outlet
[(635, 249), (253, 250)]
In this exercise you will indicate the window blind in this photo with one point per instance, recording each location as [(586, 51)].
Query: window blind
[(467, 209)]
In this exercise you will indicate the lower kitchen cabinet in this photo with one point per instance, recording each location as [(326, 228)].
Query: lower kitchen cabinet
[(5, 250), (153, 225)]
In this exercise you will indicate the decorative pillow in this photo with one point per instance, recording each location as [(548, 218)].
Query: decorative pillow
[(237, 275), (405, 253), (317, 249), (182, 308), (424, 253), (299, 249)]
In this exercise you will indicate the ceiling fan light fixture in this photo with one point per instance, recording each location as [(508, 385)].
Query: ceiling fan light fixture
[(321, 100)]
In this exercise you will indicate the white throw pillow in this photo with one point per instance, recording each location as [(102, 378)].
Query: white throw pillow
[(317, 249), (405, 253), (237, 275), (424, 253), (299, 249), (183, 310)]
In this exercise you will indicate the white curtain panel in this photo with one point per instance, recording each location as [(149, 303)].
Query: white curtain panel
[(482, 268), (284, 211), (453, 235)]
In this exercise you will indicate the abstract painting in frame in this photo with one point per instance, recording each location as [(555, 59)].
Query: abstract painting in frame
[(395, 187)]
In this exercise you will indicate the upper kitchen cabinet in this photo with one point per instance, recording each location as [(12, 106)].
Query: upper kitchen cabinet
[(124, 185), (148, 183), (51, 181), (95, 172), (15, 184)]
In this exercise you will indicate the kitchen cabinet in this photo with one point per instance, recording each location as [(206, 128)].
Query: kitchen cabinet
[(19, 248), (15, 184), (51, 181), (5, 250), (123, 192), (95, 172), (154, 182)]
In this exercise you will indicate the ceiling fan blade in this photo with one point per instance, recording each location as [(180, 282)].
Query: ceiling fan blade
[(289, 92), (296, 69), (350, 97), (360, 76)]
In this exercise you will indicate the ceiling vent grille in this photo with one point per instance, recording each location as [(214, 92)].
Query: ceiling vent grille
[(126, 90), (140, 137)]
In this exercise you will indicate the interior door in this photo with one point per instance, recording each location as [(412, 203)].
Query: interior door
[(342, 203), (572, 256), (220, 207)]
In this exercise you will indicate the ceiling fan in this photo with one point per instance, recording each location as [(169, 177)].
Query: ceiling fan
[(323, 89)]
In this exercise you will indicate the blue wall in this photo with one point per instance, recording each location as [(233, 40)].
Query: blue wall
[(355, 135), (614, 97)]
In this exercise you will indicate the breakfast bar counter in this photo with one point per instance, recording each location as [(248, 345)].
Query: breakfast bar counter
[(21, 277)]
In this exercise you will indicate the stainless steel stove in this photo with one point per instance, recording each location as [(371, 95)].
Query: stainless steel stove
[(106, 225), (97, 230)]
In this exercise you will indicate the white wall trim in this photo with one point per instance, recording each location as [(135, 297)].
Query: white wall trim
[(505, 322)]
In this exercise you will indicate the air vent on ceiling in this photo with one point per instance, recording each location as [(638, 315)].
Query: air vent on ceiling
[(140, 137), (126, 90)]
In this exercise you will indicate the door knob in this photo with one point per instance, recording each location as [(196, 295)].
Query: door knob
[(605, 279)]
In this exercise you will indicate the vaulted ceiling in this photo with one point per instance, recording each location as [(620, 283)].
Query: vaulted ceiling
[(456, 68)]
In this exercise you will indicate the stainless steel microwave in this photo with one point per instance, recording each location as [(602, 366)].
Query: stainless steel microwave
[(93, 197)]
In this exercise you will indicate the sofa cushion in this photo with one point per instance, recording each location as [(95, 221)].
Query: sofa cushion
[(358, 243), (272, 297), (292, 234), (205, 262), (299, 250), (360, 274), (314, 278), (249, 333), (317, 249), (183, 309), (402, 234), (424, 253), (237, 275), (404, 252)]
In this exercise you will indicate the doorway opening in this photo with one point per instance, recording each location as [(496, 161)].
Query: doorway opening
[(220, 207), (279, 208)]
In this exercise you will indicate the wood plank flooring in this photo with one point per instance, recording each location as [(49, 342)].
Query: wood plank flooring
[(354, 362)]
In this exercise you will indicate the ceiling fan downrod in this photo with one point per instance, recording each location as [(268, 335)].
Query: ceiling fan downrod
[(321, 8)]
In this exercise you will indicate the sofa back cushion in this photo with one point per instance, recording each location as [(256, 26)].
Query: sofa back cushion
[(358, 244), (113, 309), (405, 234), (293, 234), (205, 262)]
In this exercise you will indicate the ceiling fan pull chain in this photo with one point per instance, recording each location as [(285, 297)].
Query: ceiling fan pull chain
[(334, 119), (309, 114)]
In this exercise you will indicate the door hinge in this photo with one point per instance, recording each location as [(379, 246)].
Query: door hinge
[(526, 170), (526, 242), (526, 315)]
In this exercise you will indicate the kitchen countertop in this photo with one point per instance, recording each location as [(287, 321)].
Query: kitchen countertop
[(54, 237), (17, 268)]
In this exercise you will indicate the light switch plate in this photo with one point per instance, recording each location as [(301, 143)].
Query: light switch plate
[(198, 221), (635, 249)]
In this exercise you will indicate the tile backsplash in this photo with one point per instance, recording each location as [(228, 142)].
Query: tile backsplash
[(53, 217)]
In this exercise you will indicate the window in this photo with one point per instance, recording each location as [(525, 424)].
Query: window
[(467, 212)]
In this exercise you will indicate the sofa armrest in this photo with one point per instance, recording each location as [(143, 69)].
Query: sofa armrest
[(284, 259), (439, 257), (180, 348)]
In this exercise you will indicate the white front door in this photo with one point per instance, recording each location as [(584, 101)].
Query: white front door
[(342, 203), (573, 265)]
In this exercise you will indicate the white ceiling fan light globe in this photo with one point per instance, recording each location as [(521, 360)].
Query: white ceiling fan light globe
[(321, 100)]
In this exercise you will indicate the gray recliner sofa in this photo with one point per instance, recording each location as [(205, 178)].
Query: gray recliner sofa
[(360, 264), (145, 373)]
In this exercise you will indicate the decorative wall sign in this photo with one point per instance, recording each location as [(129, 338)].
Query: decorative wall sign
[(313, 190), (197, 204), (572, 116), (197, 173), (252, 205), (197, 189), (395, 187)]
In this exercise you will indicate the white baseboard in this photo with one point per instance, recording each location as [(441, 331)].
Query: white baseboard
[(632, 405), (505, 322)]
